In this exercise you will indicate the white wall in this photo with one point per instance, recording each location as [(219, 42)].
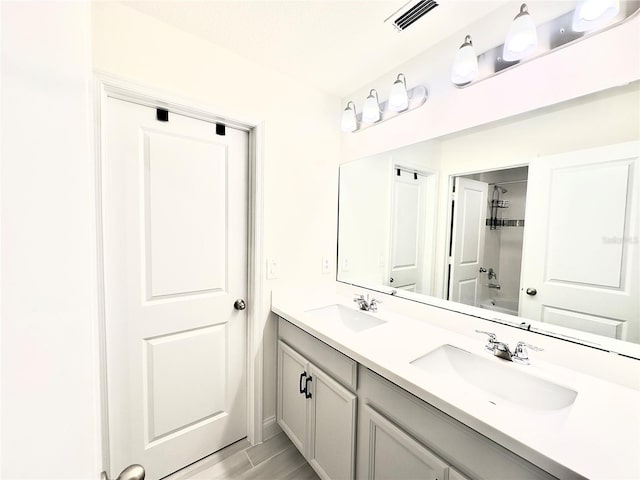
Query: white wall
[(49, 354), (301, 149)]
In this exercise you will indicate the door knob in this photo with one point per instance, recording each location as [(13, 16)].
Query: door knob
[(531, 291), (391, 280), (132, 472), (483, 270), (239, 304)]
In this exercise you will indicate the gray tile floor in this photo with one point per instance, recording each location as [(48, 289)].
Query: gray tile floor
[(275, 459)]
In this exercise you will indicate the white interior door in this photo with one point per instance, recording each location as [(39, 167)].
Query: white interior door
[(581, 242), (407, 231), (467, 242), (175, 260)]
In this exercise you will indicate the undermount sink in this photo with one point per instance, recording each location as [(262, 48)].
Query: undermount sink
[(495, 382), (351, 319)]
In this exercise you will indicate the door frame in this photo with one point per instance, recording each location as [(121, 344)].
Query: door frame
[(107, 85)]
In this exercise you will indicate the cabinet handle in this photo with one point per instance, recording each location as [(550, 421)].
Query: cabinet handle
[(307, 393), (303, 389)]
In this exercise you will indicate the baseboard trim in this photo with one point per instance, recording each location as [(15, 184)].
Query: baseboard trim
[(270, 428)]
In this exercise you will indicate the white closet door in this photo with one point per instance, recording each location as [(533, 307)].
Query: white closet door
[(174, 198), (408, 217), (580, 260)]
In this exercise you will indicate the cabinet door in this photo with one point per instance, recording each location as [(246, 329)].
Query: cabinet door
[(332, 428), (292, 405), (387, 452)]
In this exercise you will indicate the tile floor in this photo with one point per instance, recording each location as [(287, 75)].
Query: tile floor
[(275, 459)]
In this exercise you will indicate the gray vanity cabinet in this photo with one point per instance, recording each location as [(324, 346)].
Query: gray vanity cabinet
[(399, 436), (315, 410)]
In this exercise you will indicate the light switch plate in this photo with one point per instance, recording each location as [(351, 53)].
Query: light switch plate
[(326, 265), (273, 268), (345, 264)]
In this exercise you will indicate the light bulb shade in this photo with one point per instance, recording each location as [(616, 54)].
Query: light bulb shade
[(349, 120), (465, 65), (399, 97), (522, 38), (592, 14), (371, 108)]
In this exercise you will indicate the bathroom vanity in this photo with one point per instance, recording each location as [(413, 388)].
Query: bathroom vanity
[(384, 395)]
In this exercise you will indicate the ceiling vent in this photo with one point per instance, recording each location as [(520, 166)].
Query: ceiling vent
[(411, 13)]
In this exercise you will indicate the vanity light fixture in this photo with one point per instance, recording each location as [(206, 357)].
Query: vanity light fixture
[(522, 38), (465, 65), (349, 118), (371, 110), (592, 14), (399, 97), (375, 112)]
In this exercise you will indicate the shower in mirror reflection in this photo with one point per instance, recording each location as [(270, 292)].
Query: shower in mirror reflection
[(499, 237)]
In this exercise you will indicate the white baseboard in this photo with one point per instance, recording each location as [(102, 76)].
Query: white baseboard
[(270, 428)]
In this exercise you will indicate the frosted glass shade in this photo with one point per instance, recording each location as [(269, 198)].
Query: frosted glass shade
[(592, 14), (371, 109), (465, 65), (522, 38), (349, 120), (399, 97)]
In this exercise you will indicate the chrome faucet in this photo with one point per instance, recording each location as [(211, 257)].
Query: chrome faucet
[(501, 349), (366, 304)]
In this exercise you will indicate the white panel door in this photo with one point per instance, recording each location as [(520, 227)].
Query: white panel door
[(174, 199), (407, 231), (580, 258), (332, 441), (467, 243)]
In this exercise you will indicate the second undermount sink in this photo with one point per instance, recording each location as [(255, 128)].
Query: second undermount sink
[(348, 318), (495, 382)]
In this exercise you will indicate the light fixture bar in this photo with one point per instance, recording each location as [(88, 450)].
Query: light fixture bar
[(417, 96), (554, 34)]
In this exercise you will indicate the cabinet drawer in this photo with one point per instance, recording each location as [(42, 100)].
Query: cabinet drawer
[(339, 366)]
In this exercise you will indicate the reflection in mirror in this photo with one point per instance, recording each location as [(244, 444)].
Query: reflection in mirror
[(486, 239), (535, 216)]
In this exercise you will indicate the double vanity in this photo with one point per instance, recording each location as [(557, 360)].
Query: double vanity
[(381, 394)]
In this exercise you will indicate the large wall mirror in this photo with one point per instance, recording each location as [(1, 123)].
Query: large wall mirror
[(531, 221)]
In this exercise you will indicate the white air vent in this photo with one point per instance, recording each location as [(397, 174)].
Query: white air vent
[(411, 13)]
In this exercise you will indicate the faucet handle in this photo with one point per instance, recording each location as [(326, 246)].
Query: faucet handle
[(521, 355), (492, 336), (373, 304), (491, 341)]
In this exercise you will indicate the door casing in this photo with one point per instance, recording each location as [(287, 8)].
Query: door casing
[(107, 85)]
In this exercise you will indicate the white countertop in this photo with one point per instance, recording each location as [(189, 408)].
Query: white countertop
[(597, 437)]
